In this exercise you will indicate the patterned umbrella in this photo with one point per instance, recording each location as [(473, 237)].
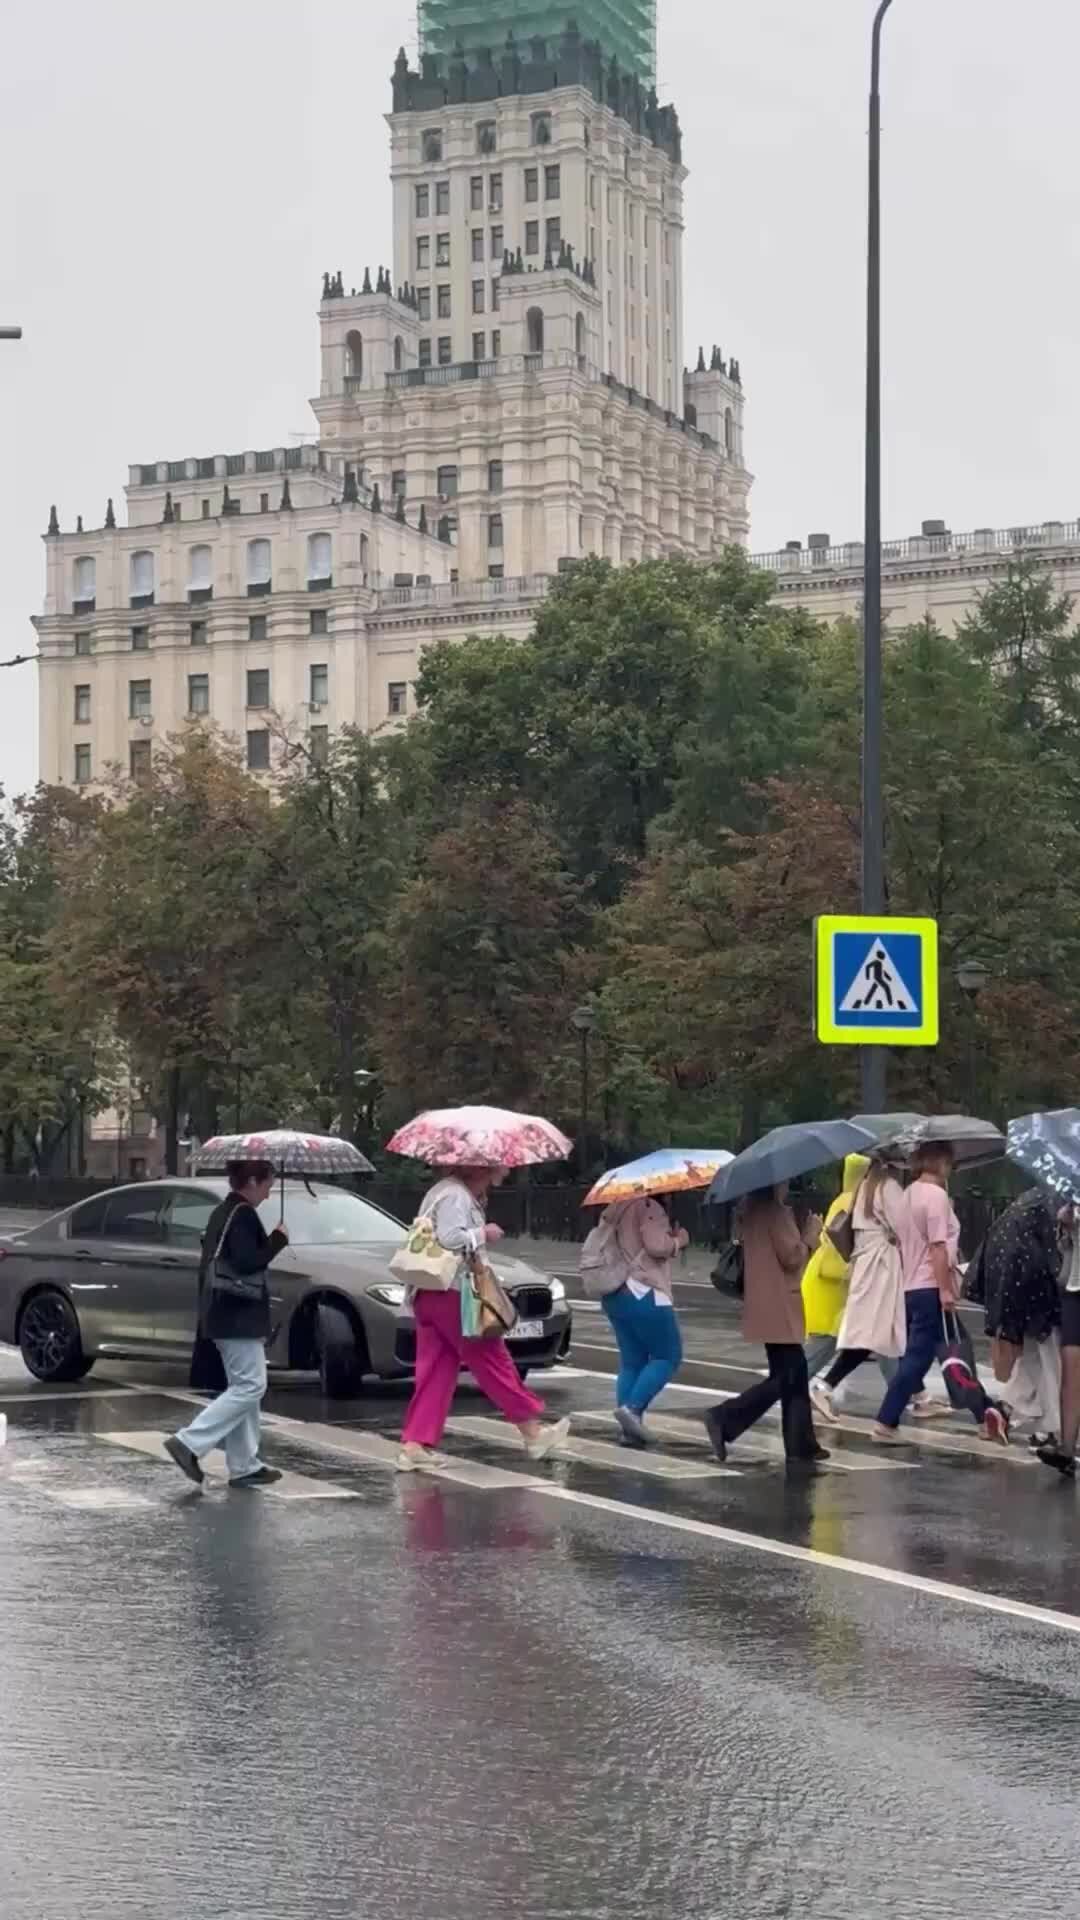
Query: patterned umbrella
[(480, 1137), (668, 1170), (1048, 1145), (290, 1152)]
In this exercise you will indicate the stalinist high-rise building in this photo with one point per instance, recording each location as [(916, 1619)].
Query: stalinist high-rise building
[(507, 396)]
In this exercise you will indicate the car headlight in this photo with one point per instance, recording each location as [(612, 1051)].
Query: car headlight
[(558, 1290), (390, 1292)]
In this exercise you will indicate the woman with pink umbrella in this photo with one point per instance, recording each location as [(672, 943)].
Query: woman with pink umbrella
[(472, 1148)]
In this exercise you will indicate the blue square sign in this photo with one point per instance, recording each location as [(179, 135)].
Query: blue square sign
[(876, 981)]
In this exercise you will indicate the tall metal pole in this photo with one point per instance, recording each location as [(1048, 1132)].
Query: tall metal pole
[(584, 1100), (873, 832)]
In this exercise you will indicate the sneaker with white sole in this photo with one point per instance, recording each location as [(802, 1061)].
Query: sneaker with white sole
[(414, 1458), (822, 1402), (549, 1441), (632, 1426)]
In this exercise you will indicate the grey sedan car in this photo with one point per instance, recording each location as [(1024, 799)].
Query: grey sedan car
[(117, 1276)]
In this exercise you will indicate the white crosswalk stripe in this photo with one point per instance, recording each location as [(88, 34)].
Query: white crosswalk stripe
[(658, 1466), (758, 1444), (291, 1486)]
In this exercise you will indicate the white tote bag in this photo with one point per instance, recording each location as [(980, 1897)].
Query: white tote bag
[(422, 1263)]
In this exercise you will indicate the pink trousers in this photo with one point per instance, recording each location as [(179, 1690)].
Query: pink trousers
[(441, 1352)]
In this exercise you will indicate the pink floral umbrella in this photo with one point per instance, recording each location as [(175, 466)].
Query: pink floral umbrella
[(480, 1137)]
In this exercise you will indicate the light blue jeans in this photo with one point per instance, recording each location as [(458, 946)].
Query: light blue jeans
[(650, 1346), (232, 1420)]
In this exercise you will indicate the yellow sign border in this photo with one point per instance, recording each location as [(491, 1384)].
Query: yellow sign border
[(830, 1035)]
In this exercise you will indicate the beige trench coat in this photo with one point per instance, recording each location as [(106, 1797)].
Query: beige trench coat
[(774, 1254)]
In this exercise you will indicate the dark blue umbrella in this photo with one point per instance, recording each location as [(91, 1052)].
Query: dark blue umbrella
[(1048, 1146), (788, 1151)]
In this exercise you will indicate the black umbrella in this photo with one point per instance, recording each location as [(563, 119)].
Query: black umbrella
[(785, 1152), (1048, 1146)]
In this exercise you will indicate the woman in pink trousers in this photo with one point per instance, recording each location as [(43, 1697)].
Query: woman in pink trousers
[(455, 1206)]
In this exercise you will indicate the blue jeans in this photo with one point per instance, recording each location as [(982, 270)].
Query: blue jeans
[(232, 1420), (650, 1346), (924, 1336)]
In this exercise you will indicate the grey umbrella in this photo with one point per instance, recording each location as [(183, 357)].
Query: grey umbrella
[(974, 1143), (788, 1151)]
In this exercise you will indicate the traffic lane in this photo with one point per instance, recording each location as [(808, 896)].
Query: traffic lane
[(448, 1702)]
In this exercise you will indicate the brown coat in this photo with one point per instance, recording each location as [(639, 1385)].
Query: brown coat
[(775, 1254)]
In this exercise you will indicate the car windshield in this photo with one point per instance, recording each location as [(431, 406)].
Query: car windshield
[(328, 1215)]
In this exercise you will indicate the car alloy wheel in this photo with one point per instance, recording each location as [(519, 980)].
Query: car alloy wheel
[(49, 1339)]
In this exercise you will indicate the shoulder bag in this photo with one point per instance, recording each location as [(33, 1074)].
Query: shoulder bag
[(487, 1311)]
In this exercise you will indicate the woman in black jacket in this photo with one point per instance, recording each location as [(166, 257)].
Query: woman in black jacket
[(235, 1313)]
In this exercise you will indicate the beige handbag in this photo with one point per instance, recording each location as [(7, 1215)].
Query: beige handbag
[(422, 1263)]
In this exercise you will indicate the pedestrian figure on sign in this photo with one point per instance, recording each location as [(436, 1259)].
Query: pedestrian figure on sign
[(880, 982), (234, 1312)]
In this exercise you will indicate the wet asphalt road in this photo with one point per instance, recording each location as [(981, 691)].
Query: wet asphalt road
[(616, 1686)]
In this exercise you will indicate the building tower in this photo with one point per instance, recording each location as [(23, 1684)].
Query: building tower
[(626, 29)]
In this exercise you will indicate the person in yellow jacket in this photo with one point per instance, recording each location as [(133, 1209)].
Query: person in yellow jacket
[(825, 1281)]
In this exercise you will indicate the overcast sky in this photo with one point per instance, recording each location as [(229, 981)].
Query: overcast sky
[(175, 180)]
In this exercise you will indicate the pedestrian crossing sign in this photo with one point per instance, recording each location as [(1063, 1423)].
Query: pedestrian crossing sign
[(875, 981)]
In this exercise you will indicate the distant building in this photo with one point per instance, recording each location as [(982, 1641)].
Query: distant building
[(509, 397), (935, 572)]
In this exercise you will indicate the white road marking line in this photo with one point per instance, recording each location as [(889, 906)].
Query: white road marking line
[(94, 1499), (810, 1557), (31, 1395), (291, 1486), (658, 1466), (718, 1366), (760, 1445)]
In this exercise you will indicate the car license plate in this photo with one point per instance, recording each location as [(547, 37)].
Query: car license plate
[(527, 1330)]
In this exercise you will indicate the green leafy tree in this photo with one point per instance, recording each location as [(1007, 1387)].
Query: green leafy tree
[(1024, 630)]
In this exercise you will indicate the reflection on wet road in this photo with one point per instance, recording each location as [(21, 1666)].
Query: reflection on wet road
[(618, 1685)]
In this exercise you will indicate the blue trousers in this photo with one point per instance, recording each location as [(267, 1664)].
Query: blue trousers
[(232, 1420), (650, 1346), (924, 1336)]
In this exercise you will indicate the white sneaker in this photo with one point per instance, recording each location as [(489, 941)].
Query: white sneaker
[(414, 1458), (549, 1441), (822, 1401)]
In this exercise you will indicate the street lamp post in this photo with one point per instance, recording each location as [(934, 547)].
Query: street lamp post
[(873, 831), (583, 1020), (971, 977)]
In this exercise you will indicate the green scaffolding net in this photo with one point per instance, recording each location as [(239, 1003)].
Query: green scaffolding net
[(625, 28)]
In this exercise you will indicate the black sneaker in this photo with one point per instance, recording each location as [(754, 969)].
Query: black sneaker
[(1063, 1463), (184, 1459), (714, 1427), (262, 1477)]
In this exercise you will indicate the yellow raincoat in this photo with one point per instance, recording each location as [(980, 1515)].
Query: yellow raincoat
[(825, 1281)]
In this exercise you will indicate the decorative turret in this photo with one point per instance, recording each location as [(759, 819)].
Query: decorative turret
[(110, 517), (54, 524)]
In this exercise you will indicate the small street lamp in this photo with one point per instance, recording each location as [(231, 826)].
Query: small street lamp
[(972, 977), (583, 1020)]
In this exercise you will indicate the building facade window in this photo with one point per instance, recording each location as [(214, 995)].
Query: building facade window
[(496, 572), (200, 633), (83, 644), (320, 566), (496, 243), (399, 353), (532, 236), (200, 576), (446, 350), (423, 303), (319, 685), (206, 509), (495, 193), (541, 129), (478, 296), (443, 303), (431, 144), (140, 762), (264, 503), (82, 706), (495, 476), (532, 184), (478, 243), (319, 620), (534, 330), (496, 344), (84, 584), (423, 252), (82, 763), (141, 568), (442, 196), (354, 354), (446, 483), (495, 530), (139, 700), (423, 201), (198, 693), (397, 697), (140, 639), (424, 354), (258, 566), (258, 749), (478, 346), (553, 235), (442, 250), (552, 183), (495, 301), (476, 193), (258, 687), (319, 745), (487, 137), (257, 626), (399, 484)]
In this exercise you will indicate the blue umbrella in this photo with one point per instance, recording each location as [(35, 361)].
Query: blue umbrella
[(785, 1152), (1048, 1146)]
